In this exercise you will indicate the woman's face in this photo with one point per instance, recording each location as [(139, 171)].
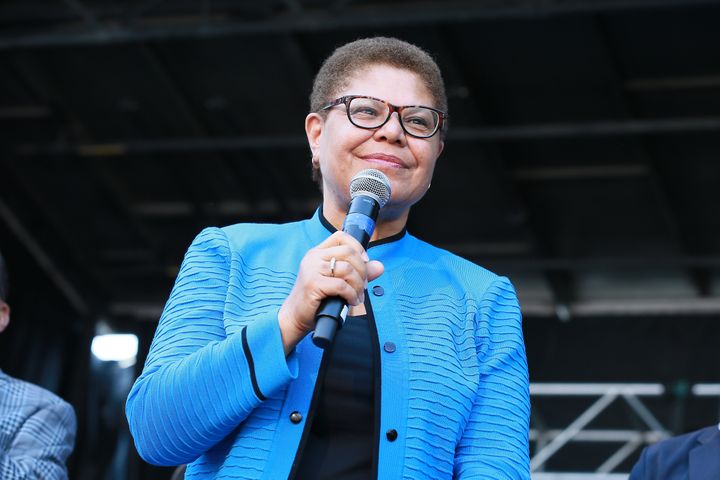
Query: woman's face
[(343, 149)]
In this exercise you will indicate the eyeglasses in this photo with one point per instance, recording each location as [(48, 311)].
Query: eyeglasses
[(369, 113)]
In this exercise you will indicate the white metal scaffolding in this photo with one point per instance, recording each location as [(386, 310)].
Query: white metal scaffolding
[(547, 442)]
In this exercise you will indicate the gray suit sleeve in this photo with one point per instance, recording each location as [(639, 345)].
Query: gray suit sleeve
[(41, 443)]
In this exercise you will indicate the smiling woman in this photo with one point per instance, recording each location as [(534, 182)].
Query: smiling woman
[(428, 376), (342, 149)]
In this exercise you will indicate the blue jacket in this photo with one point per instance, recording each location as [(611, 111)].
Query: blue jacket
[(693, 456), (217, 390)]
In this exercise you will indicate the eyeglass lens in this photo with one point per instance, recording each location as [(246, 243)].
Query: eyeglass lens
[(369, 113)]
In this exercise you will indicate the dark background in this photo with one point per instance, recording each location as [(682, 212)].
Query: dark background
[(582, 161)]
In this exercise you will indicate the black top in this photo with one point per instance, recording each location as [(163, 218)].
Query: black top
[(340, 442)]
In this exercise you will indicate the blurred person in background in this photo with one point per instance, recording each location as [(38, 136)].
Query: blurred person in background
[(428, 376), (693, 456), (37, 428)]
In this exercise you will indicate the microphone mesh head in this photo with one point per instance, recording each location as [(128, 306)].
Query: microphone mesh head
[(373, 183)]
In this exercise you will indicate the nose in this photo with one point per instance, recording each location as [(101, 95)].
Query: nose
[(392, 131)]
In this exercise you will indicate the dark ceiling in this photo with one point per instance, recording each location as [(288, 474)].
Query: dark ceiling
[(582, 159)]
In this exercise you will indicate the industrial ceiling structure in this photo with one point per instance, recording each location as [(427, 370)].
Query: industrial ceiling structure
[(581, 162)]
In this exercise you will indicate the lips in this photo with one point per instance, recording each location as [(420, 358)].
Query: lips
[(384, 159)]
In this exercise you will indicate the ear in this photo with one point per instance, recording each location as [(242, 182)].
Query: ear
[(4, 315), (314, 124), (441, 146)]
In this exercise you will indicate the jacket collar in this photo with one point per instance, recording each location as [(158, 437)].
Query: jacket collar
[(705, 458), (709, 434), (391, 250)]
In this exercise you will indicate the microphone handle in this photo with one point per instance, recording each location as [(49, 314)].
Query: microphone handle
[(330, 315), (359, 224)]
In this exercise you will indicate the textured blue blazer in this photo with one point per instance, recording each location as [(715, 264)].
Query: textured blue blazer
[(218, 392), (693, 456)]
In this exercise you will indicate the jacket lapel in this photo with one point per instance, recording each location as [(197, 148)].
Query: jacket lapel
[(705, 458)]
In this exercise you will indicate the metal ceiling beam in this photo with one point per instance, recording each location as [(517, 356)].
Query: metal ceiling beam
[(19, 11), (62, 232), (197, 122), (537, 240), (669, 213), (83, 11), (490, 259), (578, 309), (42, 87), (596, 263), (160, 71), (44, 260), (24, 112), (579, 172), (293, 5), (136, 11), (26, 219), (119, 193), (578, 476), (620, 307), (518, 133), (382, 16), (233, 208), (672, 83), (616, 128)]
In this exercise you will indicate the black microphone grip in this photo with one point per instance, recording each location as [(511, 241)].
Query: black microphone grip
[(359, 224)]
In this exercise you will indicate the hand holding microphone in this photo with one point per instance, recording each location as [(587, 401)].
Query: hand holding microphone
[(326, 286), (370, 191)]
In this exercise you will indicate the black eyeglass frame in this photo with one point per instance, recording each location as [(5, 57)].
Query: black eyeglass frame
[(346, 99)]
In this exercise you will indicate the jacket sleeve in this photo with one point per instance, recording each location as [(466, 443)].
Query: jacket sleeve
[(199, 383), (41, 446), (639, 471), (494, 444)]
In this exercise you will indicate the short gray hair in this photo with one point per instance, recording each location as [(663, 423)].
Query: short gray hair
[(339, 68)]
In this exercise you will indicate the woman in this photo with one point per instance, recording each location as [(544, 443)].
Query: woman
[(428, 377)]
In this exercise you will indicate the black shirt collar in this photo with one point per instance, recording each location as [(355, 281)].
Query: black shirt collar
[(392, 238)]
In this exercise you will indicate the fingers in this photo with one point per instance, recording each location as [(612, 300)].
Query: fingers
[(344, 254), (345, 248), (374, 270), (340, 287), (341, 238), (319, 277), (353, 277)]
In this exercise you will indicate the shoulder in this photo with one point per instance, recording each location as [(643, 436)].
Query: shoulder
[(250, 233), (668, 457), (471, 276), (225, 240), (21, 395), (684, 442)]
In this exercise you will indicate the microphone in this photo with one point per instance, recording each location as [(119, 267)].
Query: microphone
[(369, 192)]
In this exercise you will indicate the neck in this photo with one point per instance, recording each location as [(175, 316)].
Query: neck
[(388, 222)]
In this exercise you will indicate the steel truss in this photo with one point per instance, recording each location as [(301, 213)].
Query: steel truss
[(548, 442)]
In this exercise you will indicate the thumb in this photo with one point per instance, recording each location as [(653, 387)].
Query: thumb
[(374, 269)]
